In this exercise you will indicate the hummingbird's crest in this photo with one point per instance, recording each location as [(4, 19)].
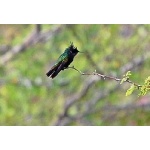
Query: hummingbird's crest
[(72, 47)]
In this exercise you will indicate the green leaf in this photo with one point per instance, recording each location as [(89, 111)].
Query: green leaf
[(145, 88), (130, 90), (123, 80), (126, 77), (128, 74)]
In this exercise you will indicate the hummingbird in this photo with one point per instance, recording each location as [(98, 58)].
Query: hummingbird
[(63, 61)]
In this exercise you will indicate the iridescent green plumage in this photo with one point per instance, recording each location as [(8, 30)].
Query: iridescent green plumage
[(63, 61)]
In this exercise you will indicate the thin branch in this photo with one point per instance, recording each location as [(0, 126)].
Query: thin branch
[(105, 76)]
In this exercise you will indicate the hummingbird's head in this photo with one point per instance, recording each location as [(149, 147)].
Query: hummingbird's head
[(73, 50)]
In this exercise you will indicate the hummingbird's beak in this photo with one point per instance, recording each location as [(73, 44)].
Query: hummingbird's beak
[(81, 52)]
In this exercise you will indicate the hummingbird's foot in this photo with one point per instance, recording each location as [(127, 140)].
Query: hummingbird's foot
[(70, 67), (65, 68)]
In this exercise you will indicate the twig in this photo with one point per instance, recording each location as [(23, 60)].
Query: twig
[(105, 76)]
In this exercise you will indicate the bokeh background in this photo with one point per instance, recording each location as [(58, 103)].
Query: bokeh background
[(28, 97)]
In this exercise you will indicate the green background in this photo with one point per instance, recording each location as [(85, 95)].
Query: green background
[(28, 97)]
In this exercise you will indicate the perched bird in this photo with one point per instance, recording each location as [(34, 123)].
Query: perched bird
[(63, 61)]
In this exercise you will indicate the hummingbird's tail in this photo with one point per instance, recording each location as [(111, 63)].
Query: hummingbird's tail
[(53, 72), (49, 73)]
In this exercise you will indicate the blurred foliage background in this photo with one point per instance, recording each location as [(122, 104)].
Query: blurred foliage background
[(28, 97)]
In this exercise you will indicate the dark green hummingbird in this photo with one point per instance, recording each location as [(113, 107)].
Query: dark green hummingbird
[(63, 61)]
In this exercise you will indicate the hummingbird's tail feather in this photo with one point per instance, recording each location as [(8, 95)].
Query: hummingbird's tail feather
[(49, 72), (53, 72), (59, 68)]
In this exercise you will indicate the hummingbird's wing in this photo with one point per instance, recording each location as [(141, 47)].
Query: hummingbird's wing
[(56, 68), (59, 68)]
